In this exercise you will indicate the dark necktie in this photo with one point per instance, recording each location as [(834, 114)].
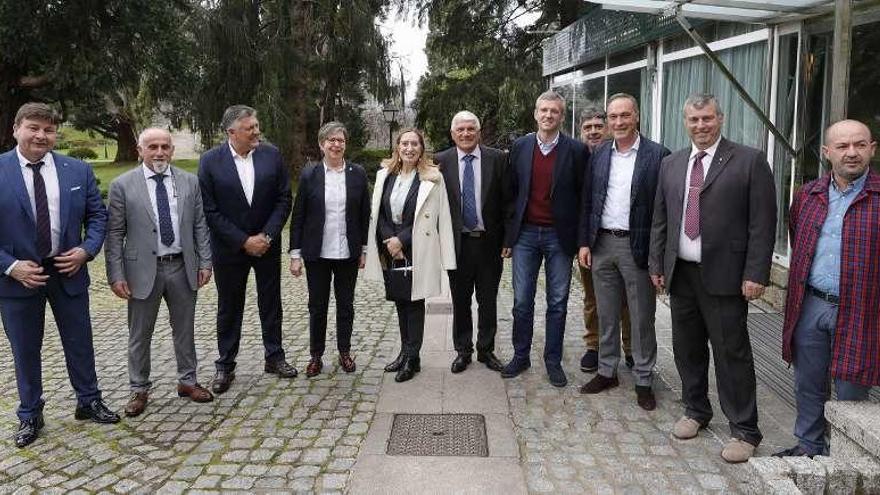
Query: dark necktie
[(468, 195), (166, 231), (695, 185), (41, 201)]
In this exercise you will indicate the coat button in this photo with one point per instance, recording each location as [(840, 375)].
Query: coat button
[(427, 233), (427, 215)]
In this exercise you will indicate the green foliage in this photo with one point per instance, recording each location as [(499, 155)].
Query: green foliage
[(370, 159), (83, 153)]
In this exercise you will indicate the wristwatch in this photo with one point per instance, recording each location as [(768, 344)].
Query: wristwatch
[(268, 238)]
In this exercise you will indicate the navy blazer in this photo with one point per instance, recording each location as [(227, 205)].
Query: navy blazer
[(81, 210), (231, 219), (307, 220), (644, 187), (569, 173)]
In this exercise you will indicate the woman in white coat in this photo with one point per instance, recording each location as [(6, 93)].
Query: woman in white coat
[(410, 224)]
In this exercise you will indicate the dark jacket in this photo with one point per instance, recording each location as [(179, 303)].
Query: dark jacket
[(569, 173), (231, 219), (307, 220), (644, 188)]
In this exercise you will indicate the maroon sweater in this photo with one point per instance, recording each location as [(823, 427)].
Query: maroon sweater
[(539, 210)]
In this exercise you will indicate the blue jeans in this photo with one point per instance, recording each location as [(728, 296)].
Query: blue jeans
[(813, 346), (536, 244)]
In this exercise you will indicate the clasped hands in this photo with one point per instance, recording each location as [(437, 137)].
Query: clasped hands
[(395, 248), (257, 245), (30, 273)]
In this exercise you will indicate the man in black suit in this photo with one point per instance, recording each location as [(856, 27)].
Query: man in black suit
[(246, 194), (473, 174), (615, 234), (711, 245), (545, 178)]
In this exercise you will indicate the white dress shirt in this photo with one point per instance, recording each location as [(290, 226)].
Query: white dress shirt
[(618, 197), (171, 189), (398, 195), (245, 167), (334, 244), (692, 249), (478, 182)]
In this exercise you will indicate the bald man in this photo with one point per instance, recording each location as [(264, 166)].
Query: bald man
[(157, 248), (832, 321)]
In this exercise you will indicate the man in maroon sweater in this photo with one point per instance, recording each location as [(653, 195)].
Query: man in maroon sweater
[(545, 178)]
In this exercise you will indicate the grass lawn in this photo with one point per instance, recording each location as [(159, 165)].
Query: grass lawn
[(107, 171)]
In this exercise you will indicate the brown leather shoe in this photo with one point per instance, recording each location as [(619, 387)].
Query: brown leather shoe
[(598, 384), (195, 392), (136, 404), (347, 362), (314, 367)]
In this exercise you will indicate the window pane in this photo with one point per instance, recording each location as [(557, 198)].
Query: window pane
[(680, 79), (631, 82), (864, 79), (589, 94), (782, 160), (567, 92)]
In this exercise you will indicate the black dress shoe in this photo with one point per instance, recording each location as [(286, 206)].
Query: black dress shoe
[(281, 368), (490, 360), (28, 431), (396, 364), (410, 367), (598, 384), (222, 381), (461, 362), (590, 361), (557, 376), (630, 362), (97, 412), (514, 368), (645, 398), (796, 451)]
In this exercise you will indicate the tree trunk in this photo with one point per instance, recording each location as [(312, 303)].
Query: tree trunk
[(295, 95), (126, 143)]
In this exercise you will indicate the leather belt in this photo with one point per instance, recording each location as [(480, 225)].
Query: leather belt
[(474, 233), (615, 232), (831, 298), (169, 257)]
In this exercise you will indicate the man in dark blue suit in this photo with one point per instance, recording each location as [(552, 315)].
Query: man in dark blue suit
[(545, 178), (246, 195), (48, 200), (614, 238)]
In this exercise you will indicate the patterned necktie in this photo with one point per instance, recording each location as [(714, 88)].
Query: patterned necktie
[(166, 231), (44, 228), (468, 195), (695, 185)]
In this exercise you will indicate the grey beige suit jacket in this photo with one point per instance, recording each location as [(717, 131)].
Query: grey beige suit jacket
[(737, 218), (132, 231)]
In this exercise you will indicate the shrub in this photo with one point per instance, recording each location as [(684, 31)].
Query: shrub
[(83, 153)]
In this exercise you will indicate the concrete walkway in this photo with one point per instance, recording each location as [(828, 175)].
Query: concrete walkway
[(436, 390)]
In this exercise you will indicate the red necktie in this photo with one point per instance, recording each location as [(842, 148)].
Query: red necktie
[(695, 185)]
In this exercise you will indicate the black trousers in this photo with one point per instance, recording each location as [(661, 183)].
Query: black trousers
[(319, 275), (231, 280), (411, 318), (479, 267), (699, 318)]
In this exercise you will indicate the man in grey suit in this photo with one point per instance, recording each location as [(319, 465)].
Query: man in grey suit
[(711, 245), (157, 247)]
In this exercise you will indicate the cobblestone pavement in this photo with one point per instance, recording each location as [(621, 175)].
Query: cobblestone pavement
[(605, 443), (303, 435), (300, 435)]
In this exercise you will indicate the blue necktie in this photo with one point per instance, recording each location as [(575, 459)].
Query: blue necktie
[(468, 195), (166, 230)]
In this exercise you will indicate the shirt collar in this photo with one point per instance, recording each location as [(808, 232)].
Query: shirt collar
[(462, 154), (330, 170), (710, 151), (856, 185), (551, 144), (149, 173), (633, 148), (23, 162), (235, 153)]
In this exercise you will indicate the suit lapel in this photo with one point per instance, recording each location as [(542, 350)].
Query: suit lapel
[(451, 166), (525, 161), (142, 194), (349, 190), (722, 156), (638, 171), (678, 176), (65, 182), (561, 150), (14, 177), (485, 176), (320, 180), (181, 193)]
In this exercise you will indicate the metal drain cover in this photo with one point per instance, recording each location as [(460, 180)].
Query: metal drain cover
[(438, 434)]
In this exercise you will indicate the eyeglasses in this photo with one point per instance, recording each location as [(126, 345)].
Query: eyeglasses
[(334, 140)]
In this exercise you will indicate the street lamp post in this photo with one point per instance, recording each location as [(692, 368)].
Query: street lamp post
[(389, 112)]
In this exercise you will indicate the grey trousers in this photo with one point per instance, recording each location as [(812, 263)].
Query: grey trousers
[(171, 284), (615, 276)]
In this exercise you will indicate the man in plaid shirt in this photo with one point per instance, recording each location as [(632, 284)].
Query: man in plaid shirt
[(832, 318)]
